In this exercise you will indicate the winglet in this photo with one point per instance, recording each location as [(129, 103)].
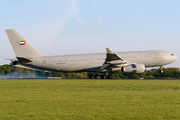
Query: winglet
[(112, 56), (111, 60), (108, 51)]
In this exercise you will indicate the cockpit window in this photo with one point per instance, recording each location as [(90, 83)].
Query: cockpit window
[(172, 54)]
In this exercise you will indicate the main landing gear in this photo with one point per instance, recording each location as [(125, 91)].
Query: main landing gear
[(102, 76), (106, 77), (95, 76)]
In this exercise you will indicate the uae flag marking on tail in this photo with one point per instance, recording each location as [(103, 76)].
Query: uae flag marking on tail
[(23, 42)]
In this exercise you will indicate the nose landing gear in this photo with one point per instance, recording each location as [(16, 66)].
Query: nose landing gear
[(161, 71)]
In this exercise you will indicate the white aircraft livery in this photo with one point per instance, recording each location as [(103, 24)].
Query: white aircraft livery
[(128, 62)]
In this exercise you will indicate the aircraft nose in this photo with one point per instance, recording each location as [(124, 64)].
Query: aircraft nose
[(175, 58)]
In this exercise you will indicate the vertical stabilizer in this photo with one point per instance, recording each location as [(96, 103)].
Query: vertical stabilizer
[(21, 46)]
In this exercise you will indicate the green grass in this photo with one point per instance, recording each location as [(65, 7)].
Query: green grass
[(89, 99)]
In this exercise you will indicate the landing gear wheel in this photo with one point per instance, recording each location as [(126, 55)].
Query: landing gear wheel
[(109, 77), (160, 71), (96, 76), (103, 77), (91, 77)]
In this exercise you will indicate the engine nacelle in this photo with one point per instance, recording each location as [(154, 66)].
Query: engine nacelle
[(133, 68)]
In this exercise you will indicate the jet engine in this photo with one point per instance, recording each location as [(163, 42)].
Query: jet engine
[(133, 68)]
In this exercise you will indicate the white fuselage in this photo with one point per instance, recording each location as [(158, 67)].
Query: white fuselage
[(93, 62)]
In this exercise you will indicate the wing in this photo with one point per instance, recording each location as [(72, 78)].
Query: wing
[(112, 60)]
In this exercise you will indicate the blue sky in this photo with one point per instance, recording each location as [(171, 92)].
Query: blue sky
[(89, 26)]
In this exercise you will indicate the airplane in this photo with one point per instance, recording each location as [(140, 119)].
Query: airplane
[(128, 62)]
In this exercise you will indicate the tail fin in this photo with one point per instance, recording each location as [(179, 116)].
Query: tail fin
[(21, 47)]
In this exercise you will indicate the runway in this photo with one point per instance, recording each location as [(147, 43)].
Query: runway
[(59, 78), (20, 78)]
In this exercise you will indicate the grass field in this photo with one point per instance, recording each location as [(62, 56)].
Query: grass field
[(89, 99)]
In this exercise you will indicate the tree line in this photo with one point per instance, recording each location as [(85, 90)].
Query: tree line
[(7, 71)]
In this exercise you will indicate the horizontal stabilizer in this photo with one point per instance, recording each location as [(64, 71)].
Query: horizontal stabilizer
[(21, 59), (21, 66)]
